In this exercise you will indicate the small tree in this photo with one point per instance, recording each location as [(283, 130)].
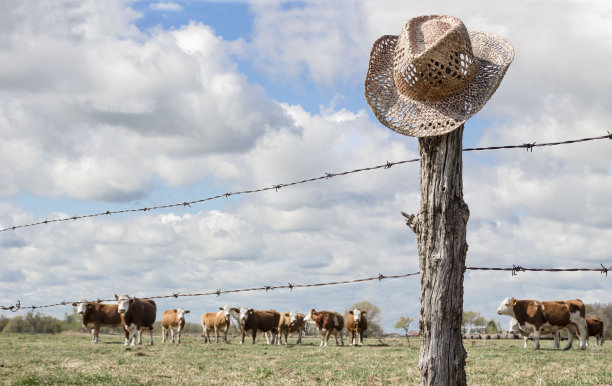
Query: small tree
[(479, 323), (468, 320), (403, 323), (492, 327)]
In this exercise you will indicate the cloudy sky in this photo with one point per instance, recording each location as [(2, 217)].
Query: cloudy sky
[(115, 104)]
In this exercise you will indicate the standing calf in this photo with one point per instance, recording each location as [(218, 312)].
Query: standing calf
[(329, 323), (96, 315), (173, 319), (291, 321), (217, 321), (253, 320), (356, 324), (136, 315)]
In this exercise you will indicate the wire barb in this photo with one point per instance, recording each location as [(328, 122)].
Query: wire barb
[(516, 269), (529, 146)]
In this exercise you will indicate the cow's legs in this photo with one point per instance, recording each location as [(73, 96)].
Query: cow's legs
[(526, 340), (96, 333), (584, 335), (570, 339), (324, 338), (299, 338), (172, 335), (243, 334), (150, 336), (164, 334), (556, 338), (536, 339), (254, 335), (225, 333), (360, 337), (127, 334), (352, 342)]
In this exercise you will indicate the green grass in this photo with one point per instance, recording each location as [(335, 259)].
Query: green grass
[(72, 359)]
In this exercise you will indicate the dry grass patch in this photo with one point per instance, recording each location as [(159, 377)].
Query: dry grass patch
[(73, 359)]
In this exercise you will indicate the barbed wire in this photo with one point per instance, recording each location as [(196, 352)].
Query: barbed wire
[(388, 165), (514, 269)]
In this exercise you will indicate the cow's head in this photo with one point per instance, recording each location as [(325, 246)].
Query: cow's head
[(357, 313), (226, 311), (244, 314), (293, 317), (180, 313), (123, 303), (308, 317), (81, 306), (507, 307)]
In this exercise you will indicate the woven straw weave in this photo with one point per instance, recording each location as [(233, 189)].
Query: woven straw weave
[(434, 76)]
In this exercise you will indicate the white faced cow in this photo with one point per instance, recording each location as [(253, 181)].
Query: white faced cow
[(173, 319), (136, 315), (96, 315), (356, 324), (253, 320), (539, 317), (217, 321), (329, 323), (291, 321)]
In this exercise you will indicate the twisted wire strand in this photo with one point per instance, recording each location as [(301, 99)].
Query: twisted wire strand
[(514, 269), (388, 165)]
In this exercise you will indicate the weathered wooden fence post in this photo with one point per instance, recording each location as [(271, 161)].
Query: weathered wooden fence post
[(440, 228), (426, 82)]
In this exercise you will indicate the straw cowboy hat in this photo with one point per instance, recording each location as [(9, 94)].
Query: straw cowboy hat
[(434, 76)]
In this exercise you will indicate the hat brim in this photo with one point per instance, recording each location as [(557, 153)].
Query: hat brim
[(492, 56)]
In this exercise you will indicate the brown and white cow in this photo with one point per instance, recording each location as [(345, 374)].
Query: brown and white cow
[(136, 315), (291, 321), (537, 316), (253, 320), (525, 332), (217, 321), (356, 324), (96, 315), (329, 323), (173, 319), (595, 327)]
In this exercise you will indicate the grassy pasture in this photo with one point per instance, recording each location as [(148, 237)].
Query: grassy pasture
[(72, 359)]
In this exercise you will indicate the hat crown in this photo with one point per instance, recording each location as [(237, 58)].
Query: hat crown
[(433, 58)]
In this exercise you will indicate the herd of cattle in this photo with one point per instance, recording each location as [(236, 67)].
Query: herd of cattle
[(138, 315)]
